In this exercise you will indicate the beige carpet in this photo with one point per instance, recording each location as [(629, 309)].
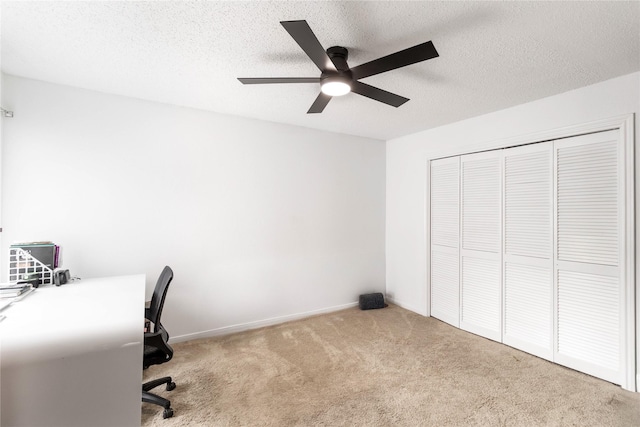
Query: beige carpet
[(387, 367)]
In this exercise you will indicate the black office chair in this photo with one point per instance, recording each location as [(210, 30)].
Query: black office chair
[(156, 346)]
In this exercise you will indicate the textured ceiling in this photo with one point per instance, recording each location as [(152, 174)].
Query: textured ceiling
[(492, 54)]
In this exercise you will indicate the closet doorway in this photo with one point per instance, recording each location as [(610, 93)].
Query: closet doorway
[(532, 246)]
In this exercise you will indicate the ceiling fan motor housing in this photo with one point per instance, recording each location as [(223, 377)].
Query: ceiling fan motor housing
[(339, 56)]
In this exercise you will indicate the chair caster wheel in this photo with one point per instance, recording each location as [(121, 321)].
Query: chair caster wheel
[(171, 386), (167, 413)]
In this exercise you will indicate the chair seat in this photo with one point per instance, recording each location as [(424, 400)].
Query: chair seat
[(153, 353)]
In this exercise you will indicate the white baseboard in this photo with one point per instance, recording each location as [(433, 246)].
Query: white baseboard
[(406, 306), (225, 330)]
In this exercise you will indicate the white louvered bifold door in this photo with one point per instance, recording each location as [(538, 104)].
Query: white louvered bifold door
[(528, 249), (589, 220), (445, 236), (481, 244)]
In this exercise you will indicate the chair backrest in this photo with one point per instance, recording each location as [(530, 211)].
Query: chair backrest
[(159, 293)]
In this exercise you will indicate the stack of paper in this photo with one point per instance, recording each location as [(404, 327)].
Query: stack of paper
[(10, 291)]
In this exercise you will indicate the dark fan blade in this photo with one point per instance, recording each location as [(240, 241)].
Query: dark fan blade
[(302, 34), (318, 105), (378, 94), (409, 56), (260, 80)]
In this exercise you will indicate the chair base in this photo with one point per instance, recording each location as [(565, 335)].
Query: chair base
[(149, 397)]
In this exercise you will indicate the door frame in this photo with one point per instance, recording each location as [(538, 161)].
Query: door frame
[(625, 124)]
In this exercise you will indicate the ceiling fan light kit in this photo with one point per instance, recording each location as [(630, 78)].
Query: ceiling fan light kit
[(335, 85), (336, 78)]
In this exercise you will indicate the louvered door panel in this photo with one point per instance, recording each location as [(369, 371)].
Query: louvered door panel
[(588, 203), (481, 200), (589, 323), (590, 295), (528, 200), (445, 286), (528, 302), (445, 236), (445, 197), (528, 249), (481, 307), (481, 218)]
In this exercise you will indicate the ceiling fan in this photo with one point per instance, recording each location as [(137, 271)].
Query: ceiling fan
[(336, 77)]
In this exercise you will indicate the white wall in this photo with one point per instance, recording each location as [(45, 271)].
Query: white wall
[(261, 222), (407, 171), (407, 167)]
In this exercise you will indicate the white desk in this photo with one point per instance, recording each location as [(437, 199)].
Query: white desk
[(72, 355)]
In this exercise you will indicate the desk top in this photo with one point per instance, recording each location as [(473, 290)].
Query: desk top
[(76, 318), (71, 356)]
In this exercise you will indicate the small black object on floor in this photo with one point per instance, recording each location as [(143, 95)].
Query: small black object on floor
[(371, 301)]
